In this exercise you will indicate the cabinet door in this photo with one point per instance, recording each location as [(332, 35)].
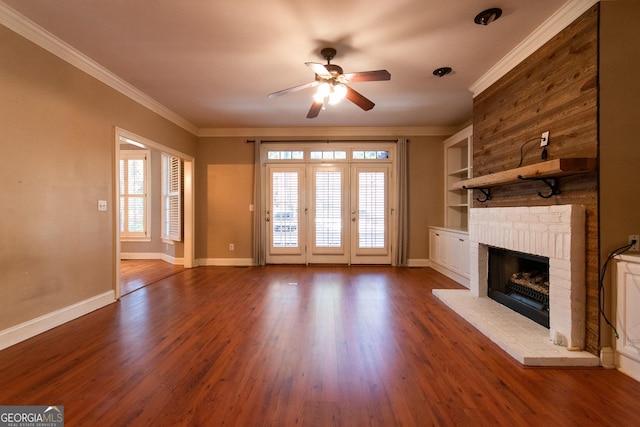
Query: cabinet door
[(628, 315), (433, 246), (439, 246), (459, 254)]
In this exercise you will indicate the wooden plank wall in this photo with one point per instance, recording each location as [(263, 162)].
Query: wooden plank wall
[(554, 89)]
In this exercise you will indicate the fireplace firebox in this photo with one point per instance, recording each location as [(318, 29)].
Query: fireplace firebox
[(521, 282)]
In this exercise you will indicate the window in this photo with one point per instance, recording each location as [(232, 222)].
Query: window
[(285, 155), (134, 190), (328, 155), (171, 198), (370, 155)]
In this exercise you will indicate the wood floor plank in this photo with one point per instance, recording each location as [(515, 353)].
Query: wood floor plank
[(138, 273), (295, 345)]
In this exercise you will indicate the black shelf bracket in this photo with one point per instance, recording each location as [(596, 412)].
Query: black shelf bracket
[(551, 182), (485, 191)]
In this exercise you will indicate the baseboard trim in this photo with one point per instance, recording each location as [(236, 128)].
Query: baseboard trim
[(628, 366), (152, 255), (418, 263), (33, 327), (228, 262), (464, 281)]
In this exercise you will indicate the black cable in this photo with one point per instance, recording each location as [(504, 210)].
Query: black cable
[(615, 253), (522, 148)]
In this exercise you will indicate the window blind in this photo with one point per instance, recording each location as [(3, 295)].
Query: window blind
[(172, 213)]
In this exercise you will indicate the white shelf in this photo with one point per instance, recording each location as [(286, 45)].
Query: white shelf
[(464, 173), (458, 168)]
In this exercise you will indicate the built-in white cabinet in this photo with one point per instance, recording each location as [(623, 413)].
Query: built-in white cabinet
[(627, 284), (449, 245), (449, 253), (458, 166)]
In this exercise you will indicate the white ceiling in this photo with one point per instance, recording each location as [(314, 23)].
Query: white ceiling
[(214, 62)]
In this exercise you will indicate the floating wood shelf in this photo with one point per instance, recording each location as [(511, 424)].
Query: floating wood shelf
[(546, 171)]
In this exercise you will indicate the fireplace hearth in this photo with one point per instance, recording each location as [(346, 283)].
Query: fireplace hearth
[(521, 282)]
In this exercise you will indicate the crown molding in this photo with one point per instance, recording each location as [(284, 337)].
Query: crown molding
[(557, 22), (41, 37), (284, 132)]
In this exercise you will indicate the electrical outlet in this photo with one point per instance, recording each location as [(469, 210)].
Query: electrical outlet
[(636, 245), (232, 247), (544, 139)]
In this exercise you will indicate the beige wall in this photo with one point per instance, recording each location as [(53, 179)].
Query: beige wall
[(619, 131), (224, 191), (224, 181), (57, 130), (426, 191)]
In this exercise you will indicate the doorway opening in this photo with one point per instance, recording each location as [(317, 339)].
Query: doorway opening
[(188, 247)]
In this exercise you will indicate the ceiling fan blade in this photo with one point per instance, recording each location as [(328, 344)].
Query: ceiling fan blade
[(315, 109), (319, 69), (293, 89), (359, 99), (368, 76)]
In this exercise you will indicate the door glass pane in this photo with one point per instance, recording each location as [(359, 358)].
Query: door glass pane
[(371, 216), (328, 212), (285, 209)]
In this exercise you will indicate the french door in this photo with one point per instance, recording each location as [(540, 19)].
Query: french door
[(285, 216), (370, 215), (328, 213)]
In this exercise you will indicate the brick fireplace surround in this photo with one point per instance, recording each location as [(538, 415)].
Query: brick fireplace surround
[(557, 232)]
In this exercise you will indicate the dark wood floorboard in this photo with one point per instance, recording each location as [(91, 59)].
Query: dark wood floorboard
[(289, 346), (138, 273)]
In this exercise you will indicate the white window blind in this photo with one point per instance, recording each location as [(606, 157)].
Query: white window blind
[(328, 209), (371, 205), (134, 189), (172, 198), (284, 216)]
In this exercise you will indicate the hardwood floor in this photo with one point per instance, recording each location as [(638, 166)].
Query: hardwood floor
[(138, 273), (289, 345)]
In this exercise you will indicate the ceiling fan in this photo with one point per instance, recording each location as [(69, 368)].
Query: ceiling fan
[(332, 86)]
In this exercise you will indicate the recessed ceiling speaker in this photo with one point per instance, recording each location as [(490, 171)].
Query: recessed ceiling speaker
[(442, 71), (486, 17)]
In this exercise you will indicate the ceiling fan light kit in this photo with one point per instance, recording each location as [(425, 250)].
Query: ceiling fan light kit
[(486, 17), (332, 87)]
